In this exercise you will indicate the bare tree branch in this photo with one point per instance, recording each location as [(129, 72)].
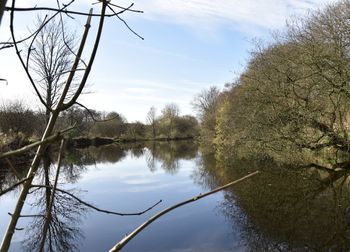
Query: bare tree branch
[(124, 22), (63, 10), (127, 238), (89, 66)]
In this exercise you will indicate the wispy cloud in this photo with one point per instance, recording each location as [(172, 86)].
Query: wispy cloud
[(134, 97), (208, 14)]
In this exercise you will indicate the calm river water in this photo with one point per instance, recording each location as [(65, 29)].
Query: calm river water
[(281, 209)]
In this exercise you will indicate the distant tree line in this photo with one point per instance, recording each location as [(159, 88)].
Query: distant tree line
[(16, 117), (293, 99)]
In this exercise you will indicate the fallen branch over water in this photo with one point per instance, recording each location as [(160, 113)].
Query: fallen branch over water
[(127, 238)]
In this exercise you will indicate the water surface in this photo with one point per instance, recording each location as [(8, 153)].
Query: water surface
[(284, 208)]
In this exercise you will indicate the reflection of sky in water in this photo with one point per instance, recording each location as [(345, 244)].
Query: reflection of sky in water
[(129, 186)]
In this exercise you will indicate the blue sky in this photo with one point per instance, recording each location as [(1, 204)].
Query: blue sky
[(189, 45)]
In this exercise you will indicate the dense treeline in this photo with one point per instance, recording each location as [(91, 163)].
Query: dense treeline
[(16, 118), (293, 98)]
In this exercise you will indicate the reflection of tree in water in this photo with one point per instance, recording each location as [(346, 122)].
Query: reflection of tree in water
[(75, 161), (55, 228), (103, 154), (137, 150), (169, 153), (63, 232), (284, 208), (206, 169)]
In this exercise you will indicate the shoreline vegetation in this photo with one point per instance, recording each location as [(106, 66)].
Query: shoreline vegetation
[(21, 126), (18, 141), (291, 103)]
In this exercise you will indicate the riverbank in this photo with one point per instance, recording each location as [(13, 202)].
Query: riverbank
[(83, 142)]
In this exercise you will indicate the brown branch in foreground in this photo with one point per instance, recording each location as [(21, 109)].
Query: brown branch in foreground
[(127, 238), (96, 208), (2, 192)]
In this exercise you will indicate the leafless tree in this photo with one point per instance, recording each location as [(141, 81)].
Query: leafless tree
[(206, 105), (49, 58), (151, 119)]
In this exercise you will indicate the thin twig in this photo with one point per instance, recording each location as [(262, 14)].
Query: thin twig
[(11, 44), (96, 208), (43, 24), (64, 36), (126, 8), (127, 238), (125, 23), (70, 12)]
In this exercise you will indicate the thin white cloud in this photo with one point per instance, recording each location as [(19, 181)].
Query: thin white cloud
[(208, 14), (134, 97)]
